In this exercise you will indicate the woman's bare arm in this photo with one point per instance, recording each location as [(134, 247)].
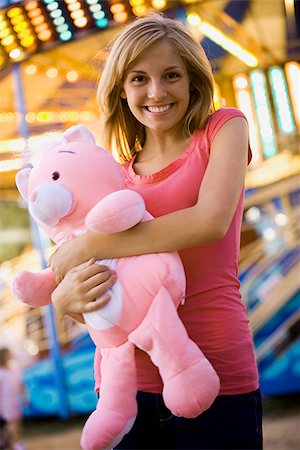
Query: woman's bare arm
[(204, 222)]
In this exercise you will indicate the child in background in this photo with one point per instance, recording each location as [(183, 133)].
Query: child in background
[(188, 162), (11, 389)]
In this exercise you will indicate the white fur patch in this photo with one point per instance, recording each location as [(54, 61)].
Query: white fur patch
[(109, 314)]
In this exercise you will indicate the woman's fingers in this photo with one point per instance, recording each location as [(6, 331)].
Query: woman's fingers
[(97, 304), (99, 280)]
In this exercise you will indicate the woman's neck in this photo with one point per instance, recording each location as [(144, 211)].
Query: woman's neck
[(158, 152)]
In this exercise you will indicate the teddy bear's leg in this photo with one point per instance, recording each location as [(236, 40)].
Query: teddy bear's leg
[(34, 289), (117, 407), (190, 382)]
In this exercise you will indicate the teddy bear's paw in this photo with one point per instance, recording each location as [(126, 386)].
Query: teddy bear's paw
[(192, 391), (30, 288), (104, 431)]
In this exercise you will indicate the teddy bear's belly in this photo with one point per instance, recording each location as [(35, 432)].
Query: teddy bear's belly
[(139, 280)]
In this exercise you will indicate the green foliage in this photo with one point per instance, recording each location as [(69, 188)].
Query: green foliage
[(13, 216)]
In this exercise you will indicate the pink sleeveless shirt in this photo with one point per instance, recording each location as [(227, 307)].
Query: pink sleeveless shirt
[(213, 313)]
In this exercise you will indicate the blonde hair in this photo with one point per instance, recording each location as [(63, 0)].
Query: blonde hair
[(121, 129)]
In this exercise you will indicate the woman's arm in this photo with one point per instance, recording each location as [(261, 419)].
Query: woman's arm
[(204, 222)]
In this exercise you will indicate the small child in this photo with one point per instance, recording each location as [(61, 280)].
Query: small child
[(11, 387)]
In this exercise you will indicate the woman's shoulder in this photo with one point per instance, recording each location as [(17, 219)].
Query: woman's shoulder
[(223, 114), (218, 118)]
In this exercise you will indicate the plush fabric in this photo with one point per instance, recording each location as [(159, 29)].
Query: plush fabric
[(78, 186)]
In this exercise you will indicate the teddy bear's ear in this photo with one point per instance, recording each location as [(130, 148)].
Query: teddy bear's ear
[(79, 133), (22, 178)]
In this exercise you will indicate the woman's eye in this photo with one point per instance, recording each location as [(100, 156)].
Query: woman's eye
[(138, 79), (172, 75), (55, 176)]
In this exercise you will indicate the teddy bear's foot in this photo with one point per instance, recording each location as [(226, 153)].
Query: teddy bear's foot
[(34, 289), (104, 430), (192, 391), (190, 382)]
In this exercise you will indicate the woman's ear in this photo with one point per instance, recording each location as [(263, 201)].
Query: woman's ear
[(123, 94)]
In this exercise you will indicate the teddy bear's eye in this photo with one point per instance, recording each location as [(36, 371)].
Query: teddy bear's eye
[(55, 176)]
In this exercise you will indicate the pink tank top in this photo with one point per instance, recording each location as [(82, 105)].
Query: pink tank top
[(213, 313)]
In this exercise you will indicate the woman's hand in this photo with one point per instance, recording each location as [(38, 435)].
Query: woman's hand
[(69, 255), (84, 289)]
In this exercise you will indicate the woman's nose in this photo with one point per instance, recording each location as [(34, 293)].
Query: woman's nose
[(156, 91)]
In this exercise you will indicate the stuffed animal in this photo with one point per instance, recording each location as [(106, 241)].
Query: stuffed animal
[(78, 186)]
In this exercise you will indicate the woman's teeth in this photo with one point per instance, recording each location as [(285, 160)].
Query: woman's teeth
[(158, 109)]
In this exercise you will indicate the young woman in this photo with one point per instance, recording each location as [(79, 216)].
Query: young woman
[(189, 163)]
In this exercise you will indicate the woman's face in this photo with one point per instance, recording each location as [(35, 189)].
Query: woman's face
[(157, 88)]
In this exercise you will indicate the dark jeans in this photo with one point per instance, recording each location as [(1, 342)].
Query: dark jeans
[(232, 422)]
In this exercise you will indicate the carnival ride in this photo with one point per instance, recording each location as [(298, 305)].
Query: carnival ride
[(59, 380)]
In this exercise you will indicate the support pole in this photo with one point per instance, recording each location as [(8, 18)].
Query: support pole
[(40, 244)]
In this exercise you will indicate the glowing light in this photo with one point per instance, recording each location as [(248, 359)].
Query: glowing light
[(14, 12), (95, 8), (121, 17), (244, 101), (139, 10), (20, 27), (4, 33), (281, 99), (117, 8), (159, 4), (102, 22), (31, 5), (56, 13), (28, 41), (292, 70), (52, 72), (74, 6), (45, 35), (253, 215), (31, 69), (72, 76), (65, 36), (41, 27), (241, 82), (77, 14), (81, 23), (193, 19), (8, 40), (222, 40), (15, 53), (263, 113), (136, 2), (269, 234), (281, 219), (34, 13)]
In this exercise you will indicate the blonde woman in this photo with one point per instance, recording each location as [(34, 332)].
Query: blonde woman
[(188, 162)]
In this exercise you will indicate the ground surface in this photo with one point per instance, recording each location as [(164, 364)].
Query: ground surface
[(281, 428)]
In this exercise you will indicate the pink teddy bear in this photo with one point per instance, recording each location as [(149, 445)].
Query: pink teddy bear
[(78, 186)]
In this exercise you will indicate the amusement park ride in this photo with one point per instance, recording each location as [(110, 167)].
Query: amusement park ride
[(47, 47)]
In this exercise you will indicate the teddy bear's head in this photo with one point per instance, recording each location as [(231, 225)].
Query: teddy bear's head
[(68, 181)]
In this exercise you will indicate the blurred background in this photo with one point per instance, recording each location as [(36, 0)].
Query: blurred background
[(50, 61)]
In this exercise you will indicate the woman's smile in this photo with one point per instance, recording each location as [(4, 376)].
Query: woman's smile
[(158, 109)]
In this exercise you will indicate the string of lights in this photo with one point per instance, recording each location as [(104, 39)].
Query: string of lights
[(31, 26)]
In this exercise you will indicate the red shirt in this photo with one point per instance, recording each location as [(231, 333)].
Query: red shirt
[(213, 313)]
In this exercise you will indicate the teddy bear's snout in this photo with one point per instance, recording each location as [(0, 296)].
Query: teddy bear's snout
[(49, 203)]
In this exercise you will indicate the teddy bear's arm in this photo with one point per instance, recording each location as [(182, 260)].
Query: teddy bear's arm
[(118, 211), (34, 289)]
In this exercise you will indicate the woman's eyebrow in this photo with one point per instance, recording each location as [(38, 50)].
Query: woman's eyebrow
[(143, 72)]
